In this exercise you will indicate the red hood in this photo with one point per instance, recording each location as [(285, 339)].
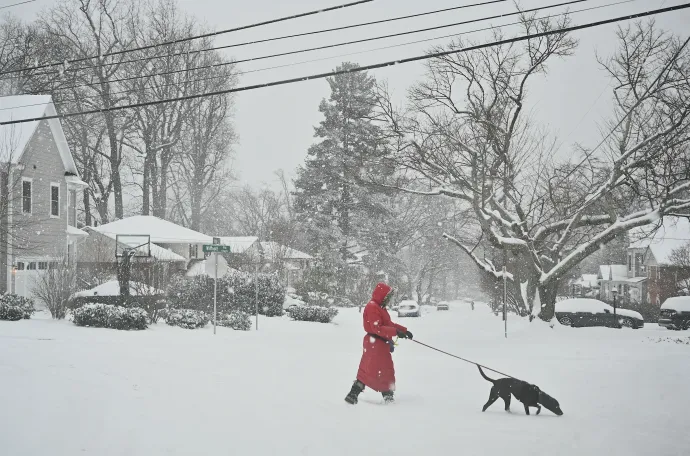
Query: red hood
[(380, 292)]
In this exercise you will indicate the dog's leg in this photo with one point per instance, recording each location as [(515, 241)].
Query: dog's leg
[(526, 409), (538, 409), (493, 396), (506, 398)]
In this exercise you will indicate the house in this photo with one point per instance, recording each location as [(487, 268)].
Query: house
[(663, 274), (290, 263), (163, 233), (245, 251), (610, 277), (96, 260), (40, 187), (587, 285)]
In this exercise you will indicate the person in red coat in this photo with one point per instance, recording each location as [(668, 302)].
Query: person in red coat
[(376, 367)]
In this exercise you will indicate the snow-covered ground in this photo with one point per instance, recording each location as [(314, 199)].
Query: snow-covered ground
[(68, 391)]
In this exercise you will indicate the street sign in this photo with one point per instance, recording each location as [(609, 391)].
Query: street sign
[(215, 261), (216, 240), (214, 248)]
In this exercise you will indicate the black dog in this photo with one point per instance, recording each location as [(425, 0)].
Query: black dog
[(530, 395)]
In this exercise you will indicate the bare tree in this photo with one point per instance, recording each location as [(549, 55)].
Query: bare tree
[(680, 260), (467, 135), (55, 286)]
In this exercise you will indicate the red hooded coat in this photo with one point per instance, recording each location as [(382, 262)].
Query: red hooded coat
[(376, 367)]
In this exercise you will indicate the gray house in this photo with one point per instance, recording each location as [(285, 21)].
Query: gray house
[(40, 187)]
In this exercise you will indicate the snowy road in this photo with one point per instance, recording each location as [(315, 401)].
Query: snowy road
[(67, 391)]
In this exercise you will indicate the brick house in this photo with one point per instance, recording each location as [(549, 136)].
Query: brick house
[(661, 273), (40, 187)]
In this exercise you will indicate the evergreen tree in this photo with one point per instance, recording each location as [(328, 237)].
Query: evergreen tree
[(331, 195)]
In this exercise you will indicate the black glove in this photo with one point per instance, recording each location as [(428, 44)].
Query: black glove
[(404, 335)]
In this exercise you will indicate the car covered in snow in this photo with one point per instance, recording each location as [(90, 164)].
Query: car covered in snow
[(443, 305), (409, 308), (579, 312), (675, 313)]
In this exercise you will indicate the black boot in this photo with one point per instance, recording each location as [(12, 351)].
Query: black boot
[(357, 387), (388, 397)]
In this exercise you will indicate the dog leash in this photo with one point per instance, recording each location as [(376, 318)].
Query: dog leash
[(463, 359)]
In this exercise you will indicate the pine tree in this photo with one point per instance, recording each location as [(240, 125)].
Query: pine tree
[(331, 195)]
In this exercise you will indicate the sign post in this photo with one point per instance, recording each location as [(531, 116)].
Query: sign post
[(212, 269), (505, 303)]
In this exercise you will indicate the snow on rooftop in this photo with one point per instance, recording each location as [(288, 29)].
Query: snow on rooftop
[(613, 272), (161, 231), (238, 244), (157, 252), (588, 280), (14, 138), (275, 250), (112, 288)]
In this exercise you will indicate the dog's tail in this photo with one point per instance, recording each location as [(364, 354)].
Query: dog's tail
[(484, 375)]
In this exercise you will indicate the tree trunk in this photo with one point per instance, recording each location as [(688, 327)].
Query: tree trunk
[(547, 296)]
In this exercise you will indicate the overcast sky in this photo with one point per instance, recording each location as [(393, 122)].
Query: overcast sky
[(275, 125)]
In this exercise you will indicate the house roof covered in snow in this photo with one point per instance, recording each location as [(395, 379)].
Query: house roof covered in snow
[(588, 280), (157, 252), (161, 231), (618, 272), (238, 244), (674, 233), (14, 138), (273, 249)]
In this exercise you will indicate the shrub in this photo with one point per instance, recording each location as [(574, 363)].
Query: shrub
[(151, 304), (186, 318), (313, 313), (239, 321), (10, 313), (236, 292), (54, 287), (12, 305), (109, 316)]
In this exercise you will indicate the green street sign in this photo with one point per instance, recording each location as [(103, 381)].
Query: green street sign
[(215, 248)]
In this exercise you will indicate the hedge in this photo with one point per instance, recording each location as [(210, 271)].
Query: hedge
[(14, 307), (109, 316), (186, 318), (236, 292), (150, 304), (238, 321), (313, 313)]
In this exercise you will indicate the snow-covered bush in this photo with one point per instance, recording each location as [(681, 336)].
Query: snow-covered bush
[(186, 318), (109, 316), (236, 292), (237, 320), (13, 307), (313, 313)]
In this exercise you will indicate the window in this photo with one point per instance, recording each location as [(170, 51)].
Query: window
[(31, 267), (55, 200), (20, 266), (72, 211), (26, 196), (629, 262), (42, 265), (658, 273)]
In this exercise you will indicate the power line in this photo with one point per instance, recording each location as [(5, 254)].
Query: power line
[(296, 35), (333, 57), (301, 51), (190, 38), (17, 4), (366, 67)]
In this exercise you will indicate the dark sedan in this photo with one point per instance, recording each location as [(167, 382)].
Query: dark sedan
[(580, 312)]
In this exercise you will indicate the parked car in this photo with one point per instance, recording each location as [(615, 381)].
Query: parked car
[(443, 305), (409, 308), (675, 313), (579, 312)]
